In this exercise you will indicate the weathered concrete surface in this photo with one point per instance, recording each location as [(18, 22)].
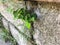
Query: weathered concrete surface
[(47, 29), (3, 43), (20, 37)]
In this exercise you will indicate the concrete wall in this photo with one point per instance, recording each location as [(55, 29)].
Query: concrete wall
[(46, 29)]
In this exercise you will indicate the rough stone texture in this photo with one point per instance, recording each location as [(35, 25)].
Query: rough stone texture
[(47, 29), (23, 33), (2, 42)]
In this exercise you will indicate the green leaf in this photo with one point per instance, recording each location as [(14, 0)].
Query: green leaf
[(32, 19), (25, 15), (28, 25), (15, 15)]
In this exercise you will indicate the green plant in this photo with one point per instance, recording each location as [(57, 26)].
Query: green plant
[(10, 10), (8, 37), (25, 15)]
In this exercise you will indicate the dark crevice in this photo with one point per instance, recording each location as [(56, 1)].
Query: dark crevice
[(2, 27), (32, 33), (32, 23)]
